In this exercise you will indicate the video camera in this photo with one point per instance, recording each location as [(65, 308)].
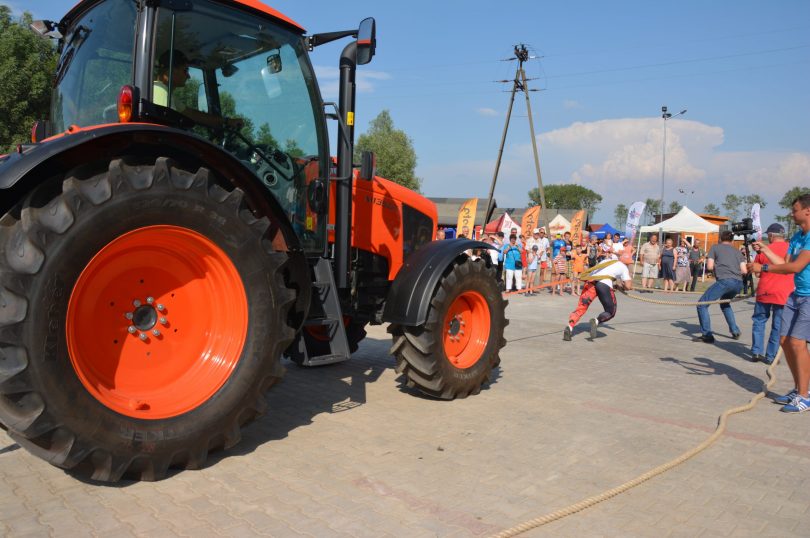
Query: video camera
[(745, 228)]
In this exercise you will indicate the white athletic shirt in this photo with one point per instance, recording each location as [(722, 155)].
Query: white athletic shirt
[(617, 270)]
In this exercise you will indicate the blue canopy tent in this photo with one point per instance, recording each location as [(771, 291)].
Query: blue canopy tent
[(606, 230)]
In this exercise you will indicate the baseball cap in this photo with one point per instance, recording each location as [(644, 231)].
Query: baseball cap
[(534, 247), (775, 228), (536, 231)]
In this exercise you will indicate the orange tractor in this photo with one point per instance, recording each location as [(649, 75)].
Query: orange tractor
[(177, 226)]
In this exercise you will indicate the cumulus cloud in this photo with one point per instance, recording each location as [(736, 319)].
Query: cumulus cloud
[(329, 80), (487, 112), (629, 151), (621, 159)]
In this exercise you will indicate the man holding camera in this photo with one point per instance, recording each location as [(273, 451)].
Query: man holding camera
[(772, 293), (795, 330), (728, 265)]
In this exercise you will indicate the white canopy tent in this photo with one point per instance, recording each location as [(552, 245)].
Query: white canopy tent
[(685, 220), (558, 225)]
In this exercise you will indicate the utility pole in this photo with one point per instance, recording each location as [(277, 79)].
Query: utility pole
[(520, 83)]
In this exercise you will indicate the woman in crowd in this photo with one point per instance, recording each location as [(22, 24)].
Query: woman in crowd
[(682, 273), (668, 266), (533, 258)]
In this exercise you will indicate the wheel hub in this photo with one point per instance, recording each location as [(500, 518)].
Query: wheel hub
[(144, 318)]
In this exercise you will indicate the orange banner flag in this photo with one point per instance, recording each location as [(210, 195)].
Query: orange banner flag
[(576, 227), (466, 218), (530, 219)]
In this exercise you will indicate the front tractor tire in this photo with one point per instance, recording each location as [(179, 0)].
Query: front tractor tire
[(453, 354), (142, 316)]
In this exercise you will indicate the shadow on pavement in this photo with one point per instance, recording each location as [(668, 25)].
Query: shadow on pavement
[(704, 366)]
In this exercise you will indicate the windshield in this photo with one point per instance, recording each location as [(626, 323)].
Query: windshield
[(247, 84), (95, 61)]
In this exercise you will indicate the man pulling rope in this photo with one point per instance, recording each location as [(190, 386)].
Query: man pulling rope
[(599, 284)]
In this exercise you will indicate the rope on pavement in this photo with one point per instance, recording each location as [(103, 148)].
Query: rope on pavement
[(590, 501), (681, 303)]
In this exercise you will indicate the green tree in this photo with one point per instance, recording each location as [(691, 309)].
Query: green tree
[(567, 196), (396, 158), (620, 215), (711, 209), (27, 67), (674, 206), (652, 207), (733, 206), (752, 199), (787, 203)]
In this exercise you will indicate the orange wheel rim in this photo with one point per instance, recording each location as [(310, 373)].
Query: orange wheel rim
[(156, 322), (466, 329)]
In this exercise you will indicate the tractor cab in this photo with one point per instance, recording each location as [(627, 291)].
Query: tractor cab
[(240, 78)]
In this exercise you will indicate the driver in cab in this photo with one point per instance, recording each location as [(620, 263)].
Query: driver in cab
[(179, 76)]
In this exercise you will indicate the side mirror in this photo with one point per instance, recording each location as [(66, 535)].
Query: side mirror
[(46, 29), (366, 40), (368, 166)]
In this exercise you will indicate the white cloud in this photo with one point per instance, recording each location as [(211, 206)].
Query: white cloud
[(621, 160), (329, 80), (487, 112), (570, 104)]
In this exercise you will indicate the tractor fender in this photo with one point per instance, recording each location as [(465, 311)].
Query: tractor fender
[(413, 288), (21, 171)]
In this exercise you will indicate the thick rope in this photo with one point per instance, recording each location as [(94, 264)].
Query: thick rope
[(590, 501), (681, 303)]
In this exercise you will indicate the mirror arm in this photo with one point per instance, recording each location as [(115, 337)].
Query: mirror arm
[(321, 39)]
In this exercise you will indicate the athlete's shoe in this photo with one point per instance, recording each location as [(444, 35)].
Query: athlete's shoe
[(787, 398), (797, 405), (594, 324), (567, 333)]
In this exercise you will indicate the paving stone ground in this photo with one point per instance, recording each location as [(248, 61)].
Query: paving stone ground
[(347, 451)]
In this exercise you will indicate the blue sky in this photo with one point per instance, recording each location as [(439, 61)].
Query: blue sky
[(741, 68)]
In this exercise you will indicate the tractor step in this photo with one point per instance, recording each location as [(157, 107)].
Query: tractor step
[(328, 315), (318, 322), (324, 359)]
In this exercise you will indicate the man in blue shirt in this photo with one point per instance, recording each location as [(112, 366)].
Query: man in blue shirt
[(795, 331)]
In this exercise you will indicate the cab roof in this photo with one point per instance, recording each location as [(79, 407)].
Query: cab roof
[(252, 4)]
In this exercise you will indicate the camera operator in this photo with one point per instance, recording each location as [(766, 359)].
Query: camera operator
[(795, 330), (772, 293), (728, 265)]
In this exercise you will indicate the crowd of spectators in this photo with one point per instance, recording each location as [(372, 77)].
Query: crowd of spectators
[(530, 262)]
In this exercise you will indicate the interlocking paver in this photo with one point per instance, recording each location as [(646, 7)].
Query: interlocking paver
[(346, 451)]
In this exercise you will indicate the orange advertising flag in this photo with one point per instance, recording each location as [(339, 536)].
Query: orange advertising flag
[(576, 227), (530, 219), (466, 218)]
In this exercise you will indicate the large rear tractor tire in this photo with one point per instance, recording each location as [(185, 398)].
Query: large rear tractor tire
[(453, 354), (142, 315)]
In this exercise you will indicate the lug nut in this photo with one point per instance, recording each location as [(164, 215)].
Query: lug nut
[(150, 300), (128, 315), (142, 336), (160, 307), (136, 303), (131, 329), (163, 321), (156, 332)]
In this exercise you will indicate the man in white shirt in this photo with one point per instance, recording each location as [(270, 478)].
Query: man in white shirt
[(599, 284)]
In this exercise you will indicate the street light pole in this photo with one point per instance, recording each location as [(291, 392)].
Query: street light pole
[(666, 115)]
